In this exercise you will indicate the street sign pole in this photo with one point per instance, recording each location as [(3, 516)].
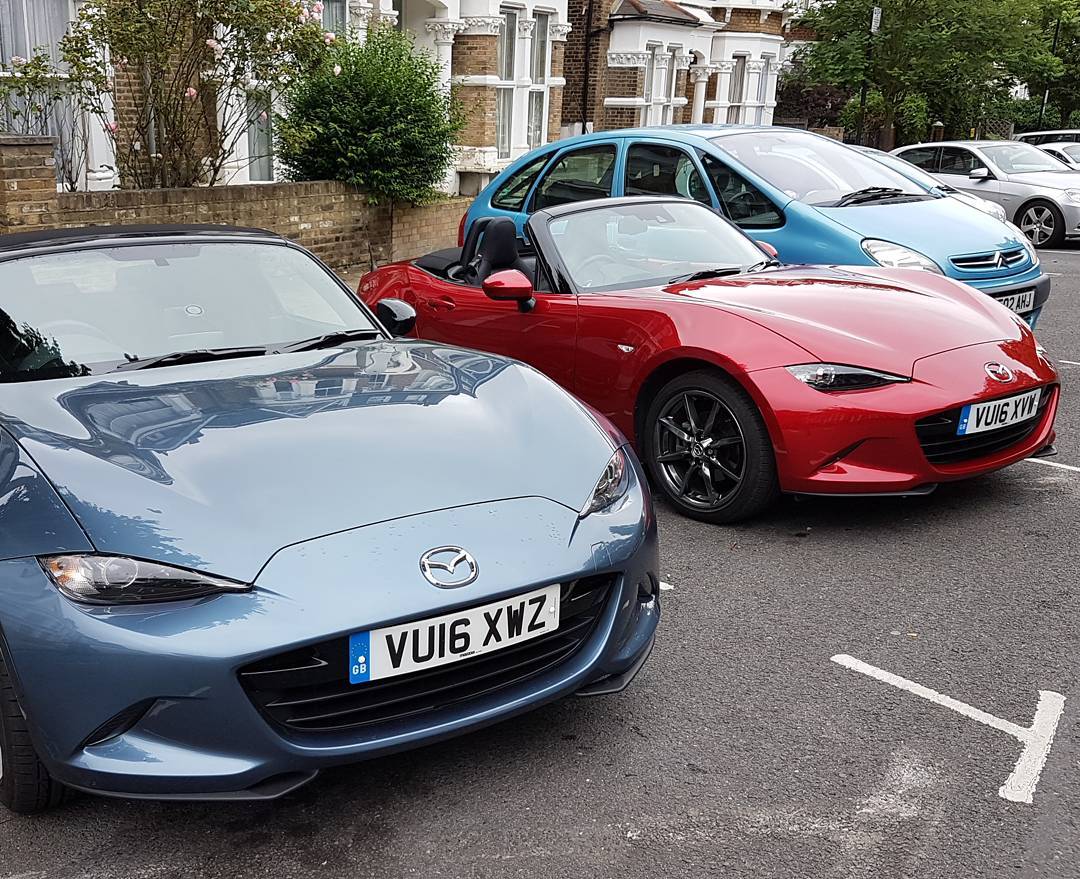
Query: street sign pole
[(875, 26)]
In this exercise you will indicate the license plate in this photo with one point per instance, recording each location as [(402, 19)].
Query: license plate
[(977, 417), (1021, 302), (452, 637)]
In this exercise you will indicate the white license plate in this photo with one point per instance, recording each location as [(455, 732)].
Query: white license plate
[(1021, 302), (977, 417), (452, 637)]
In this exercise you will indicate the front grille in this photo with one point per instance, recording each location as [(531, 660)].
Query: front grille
[(308, 690), (997, 259), (941, 445)]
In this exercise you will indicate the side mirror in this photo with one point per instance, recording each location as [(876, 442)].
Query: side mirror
[(980, 174), (768, 248), (510, 285), (397, 316)]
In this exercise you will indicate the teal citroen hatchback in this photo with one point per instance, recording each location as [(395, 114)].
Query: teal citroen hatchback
[(813, 199)]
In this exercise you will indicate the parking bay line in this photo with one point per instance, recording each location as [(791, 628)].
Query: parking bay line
[(1070, 362), (1019, 787), (1046, 463)]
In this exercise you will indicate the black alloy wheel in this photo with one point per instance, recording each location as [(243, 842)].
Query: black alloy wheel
[(708, 450)]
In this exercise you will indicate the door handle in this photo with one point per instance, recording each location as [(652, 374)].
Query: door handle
[(441, 303)]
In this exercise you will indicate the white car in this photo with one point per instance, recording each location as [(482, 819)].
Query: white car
[(1040, 194), (932, 184), (1072, 135), (1064, 151)]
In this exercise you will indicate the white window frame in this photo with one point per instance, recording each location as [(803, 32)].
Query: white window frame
[(768, 62), (649, 85), (540, 86), (667, 112), (737, 88), (506, 86)]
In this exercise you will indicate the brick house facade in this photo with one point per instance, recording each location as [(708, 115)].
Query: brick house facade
[(658, 62)]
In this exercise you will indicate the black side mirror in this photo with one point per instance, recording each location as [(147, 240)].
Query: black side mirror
[(397, 316)]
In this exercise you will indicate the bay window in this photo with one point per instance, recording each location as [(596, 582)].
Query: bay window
[(335, 15), (505, 58)]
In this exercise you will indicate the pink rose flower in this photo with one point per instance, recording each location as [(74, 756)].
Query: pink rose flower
[(191, 93)]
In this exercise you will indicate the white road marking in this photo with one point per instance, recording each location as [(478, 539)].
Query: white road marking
[(1019, 787), (1047, 463), (665, 587), (1069, 362)]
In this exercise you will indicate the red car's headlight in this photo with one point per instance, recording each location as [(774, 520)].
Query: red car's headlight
[(838, 377), (110, 579)]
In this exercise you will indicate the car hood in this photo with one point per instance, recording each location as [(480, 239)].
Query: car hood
[(884, 319), (216, 466), (937, 227), (1049, 179)]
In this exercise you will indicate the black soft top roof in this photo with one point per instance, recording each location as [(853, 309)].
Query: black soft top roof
[(45, 237)]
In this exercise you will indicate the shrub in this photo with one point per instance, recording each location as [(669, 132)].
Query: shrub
[(373, 115)]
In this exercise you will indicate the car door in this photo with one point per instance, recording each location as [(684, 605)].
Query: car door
[(744, 203), (655, 168), (458, 314), (956, 164), (578, 174)]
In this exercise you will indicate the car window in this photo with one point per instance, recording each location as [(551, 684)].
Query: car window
[(815, 170), (745, 204), (1073, 152), (955, 160), (652, 169), (86, 311), (511, 195), (578, 175), (634, 244), (1014, 157), (922, 157)]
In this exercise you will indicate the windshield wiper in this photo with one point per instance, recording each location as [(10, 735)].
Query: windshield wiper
[(771, 263), (330, 340), (705, 274), (870, 193), (198, 356)]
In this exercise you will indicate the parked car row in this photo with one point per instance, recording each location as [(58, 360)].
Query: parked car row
[(251, 529)]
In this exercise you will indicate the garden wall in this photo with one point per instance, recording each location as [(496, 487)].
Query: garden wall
[(329, 218)]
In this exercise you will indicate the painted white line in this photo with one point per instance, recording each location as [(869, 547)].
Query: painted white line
[(1019, 787), (1069, 362), (665, 587), (1047, 463)]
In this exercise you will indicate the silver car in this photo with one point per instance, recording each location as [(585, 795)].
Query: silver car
[(1039, 194), (932, 184)]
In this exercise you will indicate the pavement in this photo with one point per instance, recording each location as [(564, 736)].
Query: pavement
[(743, 749)]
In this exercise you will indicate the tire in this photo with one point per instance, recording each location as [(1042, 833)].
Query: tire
[(25, 784), (729, 457), (1045, 223)]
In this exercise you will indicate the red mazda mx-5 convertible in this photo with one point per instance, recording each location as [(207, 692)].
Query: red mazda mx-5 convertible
[(736, 378)]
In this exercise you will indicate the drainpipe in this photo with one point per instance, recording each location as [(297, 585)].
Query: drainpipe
[(587, 66)]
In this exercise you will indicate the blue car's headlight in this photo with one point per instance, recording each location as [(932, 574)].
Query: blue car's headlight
[(895, 256), (613, 484), (110, 579)]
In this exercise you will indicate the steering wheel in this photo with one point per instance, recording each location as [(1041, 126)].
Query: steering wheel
[(742, 204), (600, 260)]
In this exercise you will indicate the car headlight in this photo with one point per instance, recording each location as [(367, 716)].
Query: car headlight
[(614, 482), (110, 579), (1073, 195), (993, 209), (837, 377), (893, 256)]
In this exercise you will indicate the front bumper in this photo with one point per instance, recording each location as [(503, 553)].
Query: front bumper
[(865, 442), (198, 734), (997, 288)]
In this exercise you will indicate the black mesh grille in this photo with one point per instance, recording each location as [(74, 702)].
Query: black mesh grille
[(941, 445), (308, 690)]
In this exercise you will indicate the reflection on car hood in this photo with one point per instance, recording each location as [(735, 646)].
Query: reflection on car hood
[(216, 466), (878, 318), (1063, 179), (938, 228)]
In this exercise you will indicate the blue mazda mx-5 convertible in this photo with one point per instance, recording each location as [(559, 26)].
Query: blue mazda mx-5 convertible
[(246, 533)]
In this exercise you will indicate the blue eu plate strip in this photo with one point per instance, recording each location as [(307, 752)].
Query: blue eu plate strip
[(359, 657), (965, 414)]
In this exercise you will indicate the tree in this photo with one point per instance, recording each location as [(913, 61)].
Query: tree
[(945, 50), (375, 116), (1060, 82), (186, 77)]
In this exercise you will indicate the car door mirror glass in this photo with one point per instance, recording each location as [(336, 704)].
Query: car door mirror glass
[(397, 316)]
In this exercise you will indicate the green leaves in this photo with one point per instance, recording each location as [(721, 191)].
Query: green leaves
[(375, 116)]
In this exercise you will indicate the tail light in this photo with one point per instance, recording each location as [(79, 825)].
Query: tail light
[(461, 230)]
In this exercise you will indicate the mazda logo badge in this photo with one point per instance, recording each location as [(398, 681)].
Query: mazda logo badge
[(999, 372), (448, 567)]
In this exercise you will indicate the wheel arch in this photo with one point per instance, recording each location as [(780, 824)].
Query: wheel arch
[(1034, 200)]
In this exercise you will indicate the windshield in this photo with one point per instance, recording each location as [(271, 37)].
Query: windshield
[(88, 311), (1014, 157), (1072, 150), (641, 245), (813, 169)]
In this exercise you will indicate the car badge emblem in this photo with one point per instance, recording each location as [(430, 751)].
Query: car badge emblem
[(999, 372), (448, 567), (1001, 261)]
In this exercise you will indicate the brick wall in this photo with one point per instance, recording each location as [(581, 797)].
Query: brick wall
[(599, 71), (555, 101), (749, 21), (475, 55), (619, 82), (331, 219)]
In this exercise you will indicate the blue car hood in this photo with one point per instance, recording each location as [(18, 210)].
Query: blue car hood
[(216, 466), (938, 227)]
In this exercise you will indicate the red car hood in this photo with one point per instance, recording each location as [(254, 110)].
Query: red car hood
[(882, 319)]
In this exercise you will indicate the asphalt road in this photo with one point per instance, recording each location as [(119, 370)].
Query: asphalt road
[(742, 750)]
